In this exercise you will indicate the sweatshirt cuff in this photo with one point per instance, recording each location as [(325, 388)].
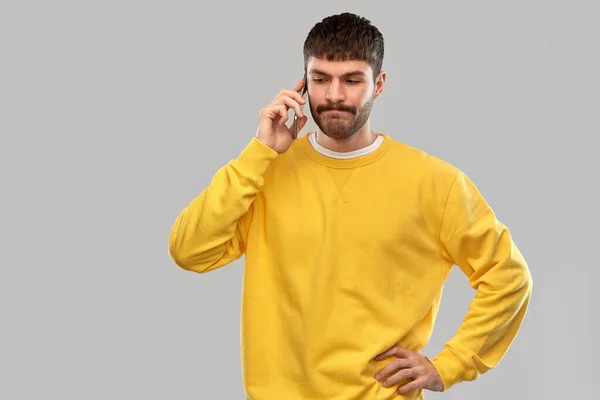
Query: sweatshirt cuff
[(255, 159), (451, 368)]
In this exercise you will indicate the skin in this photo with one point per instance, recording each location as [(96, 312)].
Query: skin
[(330, 88), (407, 364), (348, 88)]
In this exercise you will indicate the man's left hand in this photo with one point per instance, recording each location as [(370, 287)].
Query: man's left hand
[(408, 365)]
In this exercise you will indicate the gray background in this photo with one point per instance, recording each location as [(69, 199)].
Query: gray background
[(115, 114)]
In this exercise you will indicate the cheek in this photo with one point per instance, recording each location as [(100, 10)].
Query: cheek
[(312, 98), (366, 97)]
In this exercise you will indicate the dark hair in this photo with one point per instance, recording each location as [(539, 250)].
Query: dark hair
[(345, 36)]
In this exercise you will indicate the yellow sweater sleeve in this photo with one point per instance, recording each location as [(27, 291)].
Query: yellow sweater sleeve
[(211, 230), (472, 238)]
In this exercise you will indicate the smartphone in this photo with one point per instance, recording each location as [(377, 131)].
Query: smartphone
[(302, 92)]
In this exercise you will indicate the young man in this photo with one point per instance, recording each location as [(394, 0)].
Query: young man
[(349, 236)]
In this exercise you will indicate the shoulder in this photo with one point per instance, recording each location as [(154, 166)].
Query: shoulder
[(422, 163)]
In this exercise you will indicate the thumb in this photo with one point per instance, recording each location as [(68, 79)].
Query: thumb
[(302, 122)]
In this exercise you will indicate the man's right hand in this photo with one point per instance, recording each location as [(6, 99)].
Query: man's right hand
[(272, 130)]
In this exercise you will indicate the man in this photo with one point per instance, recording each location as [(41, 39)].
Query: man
[(349, 236)]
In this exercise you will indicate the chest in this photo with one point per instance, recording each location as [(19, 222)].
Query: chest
[(349, 209)]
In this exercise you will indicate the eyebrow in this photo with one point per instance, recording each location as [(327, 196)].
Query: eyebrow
[(347, 74)]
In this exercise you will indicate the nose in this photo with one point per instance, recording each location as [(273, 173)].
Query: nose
[(334, 92)]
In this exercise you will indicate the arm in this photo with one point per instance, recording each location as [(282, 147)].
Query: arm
[(212, 230), (473, 239)]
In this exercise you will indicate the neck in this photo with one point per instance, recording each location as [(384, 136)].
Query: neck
[(361, 139)]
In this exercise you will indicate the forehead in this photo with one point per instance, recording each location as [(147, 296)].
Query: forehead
[(337, 68)]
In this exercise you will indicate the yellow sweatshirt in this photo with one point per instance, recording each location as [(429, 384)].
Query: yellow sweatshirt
[(345, 258)]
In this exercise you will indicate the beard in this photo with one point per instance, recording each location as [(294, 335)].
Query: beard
[(343, 124)]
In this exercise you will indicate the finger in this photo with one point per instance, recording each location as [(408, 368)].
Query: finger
[(298, 86), (294, 91), (405, 373), (400, 351), (403, 352), (419, 383), (293, 104), (297, 97), (302, 122), (396, 351), (276, 114), (386, 354), (393, 366), (282, 111)]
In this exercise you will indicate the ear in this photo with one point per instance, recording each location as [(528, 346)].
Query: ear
[(379, 83)]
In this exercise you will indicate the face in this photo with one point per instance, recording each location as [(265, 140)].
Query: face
[(341, 95)]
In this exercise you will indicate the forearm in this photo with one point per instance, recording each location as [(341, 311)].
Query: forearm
[(472, 238), (494, 316), (211, 231)]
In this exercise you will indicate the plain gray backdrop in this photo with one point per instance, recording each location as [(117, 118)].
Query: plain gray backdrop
[(115, 114)]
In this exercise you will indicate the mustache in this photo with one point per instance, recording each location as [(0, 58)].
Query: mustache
[(336, 107)]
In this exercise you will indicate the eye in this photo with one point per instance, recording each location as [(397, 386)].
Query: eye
[(352, 82)]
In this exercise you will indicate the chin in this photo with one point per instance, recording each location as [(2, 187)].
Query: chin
[(337, 131), (336, 134)]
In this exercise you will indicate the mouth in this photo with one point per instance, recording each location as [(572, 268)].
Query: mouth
[(335, 112)]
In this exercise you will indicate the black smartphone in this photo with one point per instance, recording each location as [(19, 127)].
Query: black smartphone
[(302, 92)]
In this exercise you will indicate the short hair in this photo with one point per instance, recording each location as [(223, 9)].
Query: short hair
[(346, 36)]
